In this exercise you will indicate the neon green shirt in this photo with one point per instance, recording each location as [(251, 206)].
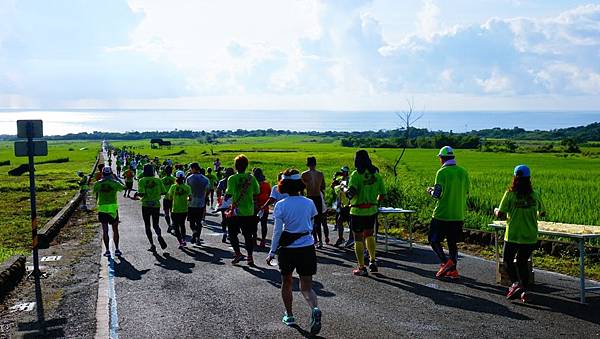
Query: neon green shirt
[(151, 188), (235, 183), (106, 195), (452, 203), (168, 181), (180, 193), (367, 187), (522, 217), (213, 180)]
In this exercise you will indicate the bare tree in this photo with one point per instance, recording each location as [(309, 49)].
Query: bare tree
[(408, 118)]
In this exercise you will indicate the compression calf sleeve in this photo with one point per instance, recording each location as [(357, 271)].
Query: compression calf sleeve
[(370, 241), (359, 250)]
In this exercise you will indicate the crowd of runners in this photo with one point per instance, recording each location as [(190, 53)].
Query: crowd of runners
[(185, 192)]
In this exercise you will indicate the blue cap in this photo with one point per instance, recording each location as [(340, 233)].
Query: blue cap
[(522, 171)]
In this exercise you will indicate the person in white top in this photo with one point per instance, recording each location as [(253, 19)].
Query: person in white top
[(292, 241)]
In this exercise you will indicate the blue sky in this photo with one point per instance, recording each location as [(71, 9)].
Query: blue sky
[(291, 54)]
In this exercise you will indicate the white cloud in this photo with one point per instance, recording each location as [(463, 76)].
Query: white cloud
[(428, 19), (496, 83)]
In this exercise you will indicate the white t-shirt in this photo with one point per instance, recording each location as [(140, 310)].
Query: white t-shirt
[(294, 214), (276, 195)]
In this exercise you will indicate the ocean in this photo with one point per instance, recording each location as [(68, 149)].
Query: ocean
[(60, 122)]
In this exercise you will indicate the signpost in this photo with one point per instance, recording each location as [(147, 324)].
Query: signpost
[(33, 129)]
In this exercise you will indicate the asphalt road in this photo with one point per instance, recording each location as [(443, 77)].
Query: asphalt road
[(197, 292)]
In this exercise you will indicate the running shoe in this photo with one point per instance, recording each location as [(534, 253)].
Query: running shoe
[(360, 271), (315, 321), (152, 248), (288, 320), (162, 242), (373, 267), (262, 243), (118, 253), (339, 242), (251, 261), (447, 266), (107, 254), (452, 274), (514, 291), (238, 257), (327, 241), (525, 297), (194, 239)]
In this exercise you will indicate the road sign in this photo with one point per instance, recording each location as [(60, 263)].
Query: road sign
[(30, 129), (40, 148)]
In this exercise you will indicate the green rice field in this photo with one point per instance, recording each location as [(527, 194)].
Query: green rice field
[(569, 184)]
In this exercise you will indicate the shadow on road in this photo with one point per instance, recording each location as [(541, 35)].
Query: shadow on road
[(544, 302), (54, 329), (207, 254), (451, 299), (173, 264), (125, 269), (273, 277), (304, 332)]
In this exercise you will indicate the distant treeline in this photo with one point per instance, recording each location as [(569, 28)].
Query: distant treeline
[(419, 137)]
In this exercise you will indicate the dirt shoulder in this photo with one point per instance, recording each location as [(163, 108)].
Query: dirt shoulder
[(69, 285)]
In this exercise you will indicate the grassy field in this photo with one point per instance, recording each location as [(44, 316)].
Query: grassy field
[(570, 185), (56, 184)]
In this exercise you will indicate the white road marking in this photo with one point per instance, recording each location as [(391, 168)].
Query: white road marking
[(23, 307)]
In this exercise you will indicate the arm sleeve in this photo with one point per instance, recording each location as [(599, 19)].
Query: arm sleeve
[(438, 187), (277, 230)]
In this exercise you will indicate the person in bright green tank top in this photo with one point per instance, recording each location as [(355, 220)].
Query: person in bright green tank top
[(450, 191), (168, 180), (150, 188), (180, 194), (521, 205), (365, 191), (106, 190)]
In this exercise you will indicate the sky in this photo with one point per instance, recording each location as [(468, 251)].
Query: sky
[(300, 55)]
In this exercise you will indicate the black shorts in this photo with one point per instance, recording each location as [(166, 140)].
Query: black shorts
[(360, 223), (106, 218), (195, 214), (440, 230), (301, 259), (129, 185), (167, 204), (344, 214)]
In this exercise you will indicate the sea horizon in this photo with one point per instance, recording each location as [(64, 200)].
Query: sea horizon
[(67, 121)]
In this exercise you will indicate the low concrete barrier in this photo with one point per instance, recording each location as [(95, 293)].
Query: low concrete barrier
[(11, 272)]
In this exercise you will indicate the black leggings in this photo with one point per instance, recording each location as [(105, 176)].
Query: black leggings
[(449, 230), (179, 225), (247, 225), (147, 213), (317, 229), (263, 225), (520, 271)]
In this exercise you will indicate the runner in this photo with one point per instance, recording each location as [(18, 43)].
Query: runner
[(450, 190), (180, 193), (167, 181), (242, 188), (521, 205), (197, 205), (261, 200), (365, 191), (221, 189), (150, 189), (84, 186), (294, 244), (128, 175), (119, 165), (342, 215), (108, 209), (212, 178), (315, 186), (275, 194), (99, 173), (217, 165)]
